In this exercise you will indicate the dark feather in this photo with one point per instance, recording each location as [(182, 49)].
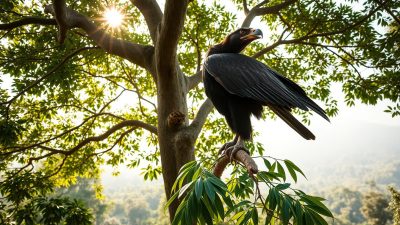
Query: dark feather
[(248, 78)]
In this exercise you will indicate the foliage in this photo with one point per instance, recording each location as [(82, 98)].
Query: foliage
[(84, 190), (395, 205), (375, 208), (207, 200), (345, 204)]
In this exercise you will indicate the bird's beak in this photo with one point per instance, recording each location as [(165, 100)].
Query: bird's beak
[(253, 35)]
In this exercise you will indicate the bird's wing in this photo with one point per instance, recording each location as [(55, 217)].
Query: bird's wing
[(246, 77)]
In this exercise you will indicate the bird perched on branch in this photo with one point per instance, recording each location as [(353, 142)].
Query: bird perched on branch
[(239, 86)]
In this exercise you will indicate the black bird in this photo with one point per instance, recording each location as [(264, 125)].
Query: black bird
[(239, 86)]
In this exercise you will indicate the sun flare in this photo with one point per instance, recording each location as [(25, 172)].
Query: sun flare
[(113, 17)]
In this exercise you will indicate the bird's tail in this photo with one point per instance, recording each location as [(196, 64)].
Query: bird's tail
[(286, 116)]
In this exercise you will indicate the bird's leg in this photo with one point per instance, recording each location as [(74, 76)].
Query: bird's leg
[(227, 145), (231, 151)]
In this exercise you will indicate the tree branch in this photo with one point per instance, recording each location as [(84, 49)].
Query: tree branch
[(388, 11), (194, 80), (245, 7), (136, 53), (27, 21), (36, 82), (40, 143), (259, 11), (60, 16), (241, 157), (169, 33), (201, 117), (309, 35), (113, 129), (152, 14), (125, 123)]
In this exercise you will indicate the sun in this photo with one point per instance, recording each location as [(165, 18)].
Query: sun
[(113, 17)]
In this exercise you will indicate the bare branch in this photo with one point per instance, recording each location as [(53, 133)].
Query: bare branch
[(270, 47), (169, 33), (194, 80), (115, 143), (27, 21), (245, 7), (201, 117), (136, 53), (60, 16), (241, 157), (152, 14), (258, 10)]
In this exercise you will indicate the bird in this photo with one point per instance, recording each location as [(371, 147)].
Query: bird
[(240, 86)]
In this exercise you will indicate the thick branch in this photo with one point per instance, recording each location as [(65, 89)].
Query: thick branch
[(152, 14), (136, 53), (60, 16), (170, 31), (245, 7), (201, 117), (194, 80), (240, 156), (259, 11), (27, 21)]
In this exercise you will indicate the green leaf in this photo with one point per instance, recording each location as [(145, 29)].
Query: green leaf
[(209, 190), (238, 215), (281, 171), (244, 219), (171, 199), (198, 188), (207, 204), (217, 182), (272, 168), (219, 206), (268, 218), (319, 220), (291, 171), (184, 188), (285, 213), (267, 163), (262, 175), (292, 165), (316, 204), (254, 216), (237, 206), (281, 187)]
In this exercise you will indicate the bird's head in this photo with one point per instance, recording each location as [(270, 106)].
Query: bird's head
[(236, 41)]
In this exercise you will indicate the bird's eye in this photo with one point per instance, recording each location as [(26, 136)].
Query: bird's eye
[(242, 32)]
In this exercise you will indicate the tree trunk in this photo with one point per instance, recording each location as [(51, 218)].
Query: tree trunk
[(176, 145)]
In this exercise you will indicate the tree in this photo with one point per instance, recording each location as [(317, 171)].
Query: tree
[(395, 205), (99, 95), (375, 208)]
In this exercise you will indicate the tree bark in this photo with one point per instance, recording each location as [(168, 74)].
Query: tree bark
[(176, 146)]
